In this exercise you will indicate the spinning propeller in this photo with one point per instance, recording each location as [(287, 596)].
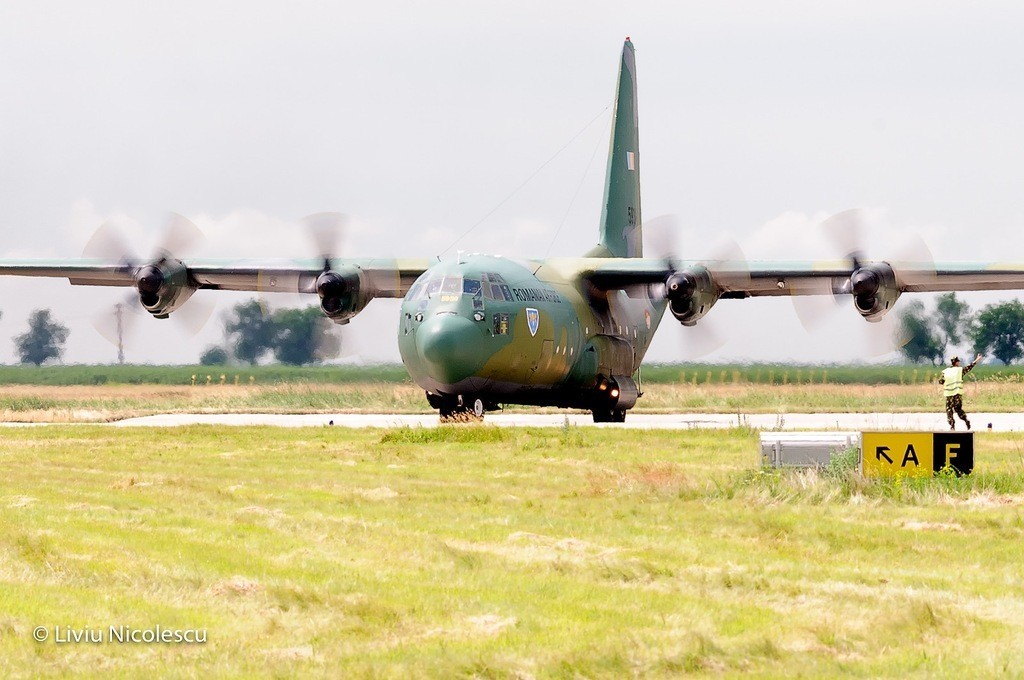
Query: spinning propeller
[(873, 287), (326, 231), (690, 287), (161, 282)]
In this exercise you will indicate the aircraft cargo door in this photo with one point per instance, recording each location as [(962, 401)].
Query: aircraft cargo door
[(542, 368)]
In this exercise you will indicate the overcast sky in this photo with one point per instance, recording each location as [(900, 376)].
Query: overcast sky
[(757, 120)]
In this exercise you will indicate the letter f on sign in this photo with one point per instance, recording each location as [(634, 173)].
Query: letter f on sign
[(952, 451)]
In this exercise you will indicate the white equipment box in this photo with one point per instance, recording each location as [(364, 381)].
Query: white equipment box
[(804, 449)]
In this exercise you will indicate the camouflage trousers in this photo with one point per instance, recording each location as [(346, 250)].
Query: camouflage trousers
[(955, 404)]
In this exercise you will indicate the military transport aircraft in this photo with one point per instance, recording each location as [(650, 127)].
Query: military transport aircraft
[(479, 331)]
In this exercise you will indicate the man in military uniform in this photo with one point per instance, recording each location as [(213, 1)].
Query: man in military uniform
[(952, 381)]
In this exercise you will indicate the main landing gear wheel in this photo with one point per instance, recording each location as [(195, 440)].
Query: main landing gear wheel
[(609, 415), (458, 410)]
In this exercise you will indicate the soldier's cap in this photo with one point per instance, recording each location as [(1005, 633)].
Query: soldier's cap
[(954, 360)]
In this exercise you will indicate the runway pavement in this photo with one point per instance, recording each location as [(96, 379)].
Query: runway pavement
[(999, 422)]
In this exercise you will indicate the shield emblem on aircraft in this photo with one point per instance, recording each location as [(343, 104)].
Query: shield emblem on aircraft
[(532, 320)]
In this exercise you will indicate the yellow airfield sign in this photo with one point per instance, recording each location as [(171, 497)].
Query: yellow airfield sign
[(916, 454)]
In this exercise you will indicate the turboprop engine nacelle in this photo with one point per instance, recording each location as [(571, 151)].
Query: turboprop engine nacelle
[(163, 286), (342, 293), (874, 290), (618, 392), (691, 293)]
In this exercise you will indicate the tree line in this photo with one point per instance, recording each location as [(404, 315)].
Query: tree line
[(293, 336), (303, 336), (996, 330)]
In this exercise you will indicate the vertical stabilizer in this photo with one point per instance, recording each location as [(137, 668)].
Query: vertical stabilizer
[(620, 234)]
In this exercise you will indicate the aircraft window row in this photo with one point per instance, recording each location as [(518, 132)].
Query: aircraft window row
[(435, 285), (491, 286)]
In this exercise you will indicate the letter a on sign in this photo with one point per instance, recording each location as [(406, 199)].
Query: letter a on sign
[(887, 454)]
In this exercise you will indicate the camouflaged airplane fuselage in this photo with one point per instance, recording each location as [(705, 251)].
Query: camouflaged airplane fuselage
[(508, 331)]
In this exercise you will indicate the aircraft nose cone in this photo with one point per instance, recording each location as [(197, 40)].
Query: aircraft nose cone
[(448, 345)]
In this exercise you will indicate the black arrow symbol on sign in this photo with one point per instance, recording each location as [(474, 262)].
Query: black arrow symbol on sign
[(880, 453)]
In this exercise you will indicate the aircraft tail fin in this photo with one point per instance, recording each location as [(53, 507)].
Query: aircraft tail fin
[(620, 234)]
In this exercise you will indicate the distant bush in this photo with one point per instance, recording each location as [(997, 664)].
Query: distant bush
[(214, 356)]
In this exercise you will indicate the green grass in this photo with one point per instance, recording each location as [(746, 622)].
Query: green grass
[(84, 374), (479, 552), (692, 374), (830, 398), (99, 403), (819, 374)]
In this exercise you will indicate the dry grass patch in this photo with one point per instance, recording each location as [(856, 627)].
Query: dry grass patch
[(381, 493), (490, 624), (303, 653), (931, 526), (236, 585), (527, 547)]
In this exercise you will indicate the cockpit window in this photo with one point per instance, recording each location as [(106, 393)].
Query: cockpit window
[(433, 285), (452, 285), (495, 288)]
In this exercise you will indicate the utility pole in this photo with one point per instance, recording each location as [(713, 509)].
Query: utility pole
[(118, 311)]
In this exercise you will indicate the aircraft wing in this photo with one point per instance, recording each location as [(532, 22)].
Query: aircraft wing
[(755, 279), (393, 277), (385, 277)]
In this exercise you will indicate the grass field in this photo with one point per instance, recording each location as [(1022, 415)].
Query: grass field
[(479, 552), (100, 403), (691, 374), (129, 374)]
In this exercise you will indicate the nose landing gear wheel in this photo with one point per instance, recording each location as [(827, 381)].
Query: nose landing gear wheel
[(609, 415)]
